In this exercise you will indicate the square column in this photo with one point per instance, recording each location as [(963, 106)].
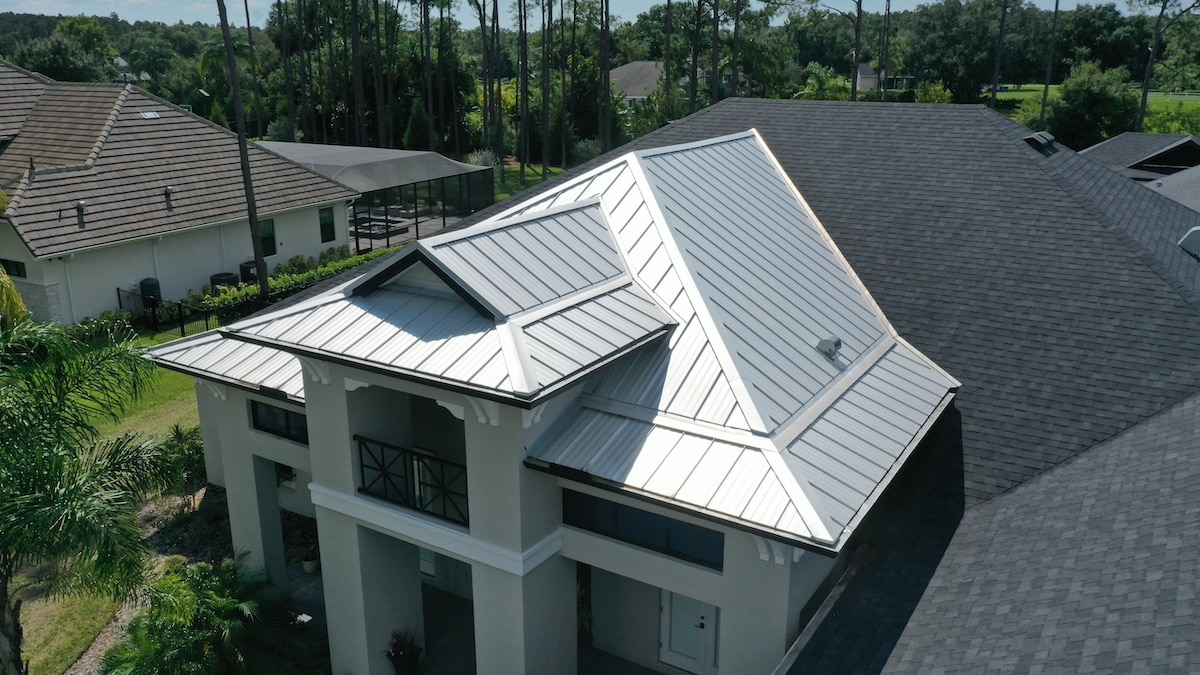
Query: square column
[(372, 586), (525, 624), (254, 522)]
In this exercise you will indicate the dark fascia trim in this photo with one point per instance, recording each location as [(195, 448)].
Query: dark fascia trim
[(585, 478), (236, 384), (415, 255)]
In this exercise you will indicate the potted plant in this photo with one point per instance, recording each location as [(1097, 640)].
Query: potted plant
[(403, 652), (311, 559)]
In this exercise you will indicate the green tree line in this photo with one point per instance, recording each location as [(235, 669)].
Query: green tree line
[(530, 79)]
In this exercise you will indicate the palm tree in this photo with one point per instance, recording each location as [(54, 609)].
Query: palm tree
[(204, 618), (69, 499)]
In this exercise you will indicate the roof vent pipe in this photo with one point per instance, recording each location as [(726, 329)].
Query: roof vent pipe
[(830, 346), (32, 170), (80, 210), (167, 191)]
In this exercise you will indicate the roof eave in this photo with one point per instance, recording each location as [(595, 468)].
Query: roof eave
[(526, 400), (584, 478)]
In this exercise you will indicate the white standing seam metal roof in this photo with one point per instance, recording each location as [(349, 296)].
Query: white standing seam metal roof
[(735, 415), (213, 357)]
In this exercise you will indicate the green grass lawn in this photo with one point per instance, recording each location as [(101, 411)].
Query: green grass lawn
[(1157, 100), (59, 630), (511, 184)]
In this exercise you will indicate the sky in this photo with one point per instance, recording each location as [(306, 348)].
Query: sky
[(205, 11)]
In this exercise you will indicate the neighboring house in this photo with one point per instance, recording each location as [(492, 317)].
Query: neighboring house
[(637, 79), (661, 370), (1047, 522), (1146, 157), (109, 185), (868, 79), (1183, 187)]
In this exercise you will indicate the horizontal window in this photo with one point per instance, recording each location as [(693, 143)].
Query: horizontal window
[(284, 423), (13, 268), (649, 530)]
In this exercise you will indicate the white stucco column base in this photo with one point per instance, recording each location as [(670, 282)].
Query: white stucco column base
[(372, 586), (254, 514), (525, 624)]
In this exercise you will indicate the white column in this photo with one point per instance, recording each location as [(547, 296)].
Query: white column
[(525, 624)]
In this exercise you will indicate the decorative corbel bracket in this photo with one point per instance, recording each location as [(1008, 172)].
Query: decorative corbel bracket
[(486, 412), (532, 416), (317, 371), (217, 390)]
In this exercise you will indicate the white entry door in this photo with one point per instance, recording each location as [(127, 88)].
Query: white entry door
[(689, 634)]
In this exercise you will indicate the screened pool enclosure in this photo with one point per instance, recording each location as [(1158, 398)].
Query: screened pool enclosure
[(406, 194)]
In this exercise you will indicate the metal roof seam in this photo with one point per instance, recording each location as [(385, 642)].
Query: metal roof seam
[(675, 422), (824, 398), (824, 233), (696, 299)]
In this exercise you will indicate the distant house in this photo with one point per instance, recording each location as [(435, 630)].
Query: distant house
[(1146, 157), (661, 370), (637, 79), (109, 186), (868, 79)]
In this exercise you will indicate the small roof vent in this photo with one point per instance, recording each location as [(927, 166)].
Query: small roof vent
[(1191, 242), (830, 346), (1040, 140), (80, 211)]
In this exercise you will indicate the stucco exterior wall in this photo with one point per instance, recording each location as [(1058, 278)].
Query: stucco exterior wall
[(625, 618), (87, 281), (753, 596)]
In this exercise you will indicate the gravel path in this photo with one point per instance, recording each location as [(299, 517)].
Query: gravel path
[(111, 634)]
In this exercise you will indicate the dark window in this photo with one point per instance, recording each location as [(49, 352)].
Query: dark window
[(13, 268), (327, 233), (266, 232), (284, 473), (280, 422), (642, 528)]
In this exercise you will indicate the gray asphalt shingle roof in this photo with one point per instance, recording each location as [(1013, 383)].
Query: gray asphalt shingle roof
[(1053, 289), (117, 148), (1142, 156)]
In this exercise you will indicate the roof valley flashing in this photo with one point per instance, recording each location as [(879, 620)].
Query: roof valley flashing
[(689, 291)]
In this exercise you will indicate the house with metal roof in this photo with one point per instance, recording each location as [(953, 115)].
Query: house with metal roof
[(108, 186), (658, 380)]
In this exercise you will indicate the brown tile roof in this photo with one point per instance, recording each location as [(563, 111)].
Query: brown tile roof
[(117, 148), (19, 91)]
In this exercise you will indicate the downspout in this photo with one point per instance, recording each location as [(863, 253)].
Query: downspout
[(70, 287), (154, 253)]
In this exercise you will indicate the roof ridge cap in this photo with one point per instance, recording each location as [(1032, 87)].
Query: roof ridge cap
[(113, 114)]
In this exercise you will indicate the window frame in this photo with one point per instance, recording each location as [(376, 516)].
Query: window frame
[(266, 234), (15, 269), (294, 425), (637, 527), (328, 226)]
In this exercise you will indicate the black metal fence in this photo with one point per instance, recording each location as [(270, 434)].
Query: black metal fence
[(414, 479), (162, 316)]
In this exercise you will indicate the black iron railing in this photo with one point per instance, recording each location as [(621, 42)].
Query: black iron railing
[(413, 478)]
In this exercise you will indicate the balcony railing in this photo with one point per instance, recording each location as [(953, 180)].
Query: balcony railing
[(413, 478)]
